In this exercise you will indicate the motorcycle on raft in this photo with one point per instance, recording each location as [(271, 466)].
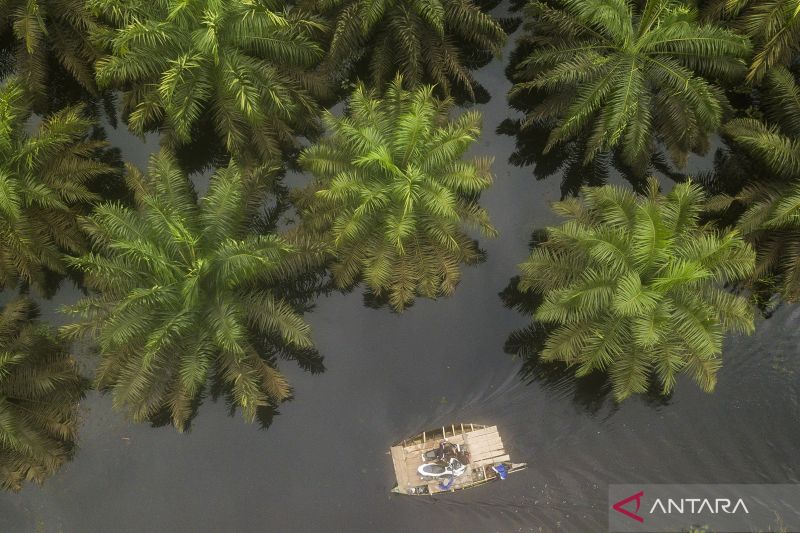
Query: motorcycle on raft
[(446, 462)]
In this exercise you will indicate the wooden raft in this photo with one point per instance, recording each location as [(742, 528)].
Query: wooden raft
[(483, 443)]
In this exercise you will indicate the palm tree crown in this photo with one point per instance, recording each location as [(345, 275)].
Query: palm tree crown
[(392, 193), (43, 177), (39, 393), (628, 77), (426, 41), (632, 285), (45, 27), (772, 25), (243, 64), (184, 295), (772, 216)]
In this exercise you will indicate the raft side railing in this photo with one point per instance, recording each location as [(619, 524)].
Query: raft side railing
[(432, 434)]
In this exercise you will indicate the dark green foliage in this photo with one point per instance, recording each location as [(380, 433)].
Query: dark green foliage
[(590, 392), (627, 78), (187, 294), (427, 41), (771, 219), (39, 393), (772, 25), (632, 285), (43, 29), (44, 178), (247, 65), (392, 193)]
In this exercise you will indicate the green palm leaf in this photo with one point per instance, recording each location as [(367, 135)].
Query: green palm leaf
[(627, 76), (185, 295), (248, 65), (772, 203), (633, 286), (45, 29), (393, 196), (772, 25), (40, 389), (44, 184), (427, 41)]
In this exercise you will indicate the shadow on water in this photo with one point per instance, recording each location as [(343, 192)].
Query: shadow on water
[(218, 390), (110, 187), (476, 58), (265, 414), (731, 172), (6, 56), (206, 151), (375, 301), (567, 159)]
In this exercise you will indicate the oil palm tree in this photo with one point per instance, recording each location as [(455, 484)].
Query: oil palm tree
[(40, 388), (186, 294), (628, 77), (43, 181), (632, 285), (427, 41), (43, 29), (242, 67), (772, 203), (392, 194), (773, 26)]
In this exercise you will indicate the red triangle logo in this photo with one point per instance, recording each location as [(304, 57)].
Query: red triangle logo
[(630, 514)]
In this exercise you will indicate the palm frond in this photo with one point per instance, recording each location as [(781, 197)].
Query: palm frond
[(632, 285), (186, 295), (623, 77), (40, 389), (427, 41), (392, 194)]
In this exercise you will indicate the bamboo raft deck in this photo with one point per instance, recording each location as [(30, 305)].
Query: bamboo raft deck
[(482, 443)]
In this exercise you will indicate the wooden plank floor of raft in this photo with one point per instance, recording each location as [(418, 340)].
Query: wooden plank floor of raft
[(484, 446)]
